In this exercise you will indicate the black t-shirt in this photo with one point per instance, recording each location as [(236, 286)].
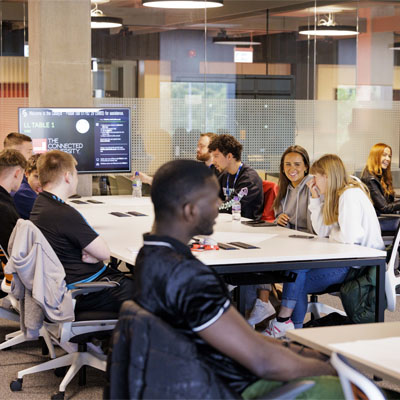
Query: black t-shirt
[(172, 284), (9, 217), (251, 204), (67, 232)]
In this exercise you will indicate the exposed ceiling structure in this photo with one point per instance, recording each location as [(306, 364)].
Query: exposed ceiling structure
[(236, 17)]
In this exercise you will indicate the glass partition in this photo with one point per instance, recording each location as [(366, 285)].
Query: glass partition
[(243, 69)]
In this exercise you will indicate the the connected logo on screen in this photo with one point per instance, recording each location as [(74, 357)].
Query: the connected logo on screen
[(82, 126)]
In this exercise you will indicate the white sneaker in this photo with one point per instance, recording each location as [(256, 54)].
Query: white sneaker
[(260, 311), (278, 329)]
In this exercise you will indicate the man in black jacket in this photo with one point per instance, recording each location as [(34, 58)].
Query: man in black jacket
[(175, 286), (237, 178), (12, 167)]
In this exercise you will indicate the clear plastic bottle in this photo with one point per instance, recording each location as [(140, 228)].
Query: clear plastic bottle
[(236, 209), (137, 186)]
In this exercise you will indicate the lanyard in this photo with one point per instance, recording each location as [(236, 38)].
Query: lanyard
[(234, 181)]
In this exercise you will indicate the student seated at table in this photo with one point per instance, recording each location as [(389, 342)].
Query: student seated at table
[(12, 166), (80, 249), (346, 215), (175, 286), (291, 210), (202, 154), (26, 195), (377, 176), (19, 141), (237, 178), (291, 203)]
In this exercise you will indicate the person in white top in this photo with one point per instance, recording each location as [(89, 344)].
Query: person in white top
[(345, 214)]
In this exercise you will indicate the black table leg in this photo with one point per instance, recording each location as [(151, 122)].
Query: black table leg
[(380, 292), (241, 299)]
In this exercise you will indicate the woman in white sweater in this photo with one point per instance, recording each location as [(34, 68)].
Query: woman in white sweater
[(346, 215)]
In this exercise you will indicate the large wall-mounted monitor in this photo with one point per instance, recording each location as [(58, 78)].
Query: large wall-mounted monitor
[(99, 138)]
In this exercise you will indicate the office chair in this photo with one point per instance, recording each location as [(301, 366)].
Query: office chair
[(11, 313), (355, 385), (157, 346), (63, 331)]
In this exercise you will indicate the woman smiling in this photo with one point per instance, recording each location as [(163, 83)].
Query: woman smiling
[(378, 178)]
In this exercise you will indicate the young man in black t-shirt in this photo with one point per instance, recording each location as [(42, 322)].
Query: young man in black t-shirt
[(12, 167), (237, 178), (175, 286), (80, 249)]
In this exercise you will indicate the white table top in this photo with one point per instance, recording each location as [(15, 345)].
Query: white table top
[(324, 337), (125, 236)]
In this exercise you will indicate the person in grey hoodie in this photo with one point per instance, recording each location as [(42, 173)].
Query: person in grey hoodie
[(291, 210), (291, 203)]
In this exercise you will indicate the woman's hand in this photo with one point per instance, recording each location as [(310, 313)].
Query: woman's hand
[(282, 219), (313, 188)]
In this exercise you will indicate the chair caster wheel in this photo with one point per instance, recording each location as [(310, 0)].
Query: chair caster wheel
[(58, 396), (16, 385), (60, 372)]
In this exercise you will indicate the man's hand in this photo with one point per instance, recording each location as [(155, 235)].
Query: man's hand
[(282, 219)]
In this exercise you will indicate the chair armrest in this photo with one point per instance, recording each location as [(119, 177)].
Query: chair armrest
[(289, 391), (91, 287)]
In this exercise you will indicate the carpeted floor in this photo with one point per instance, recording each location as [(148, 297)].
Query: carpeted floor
[(43, 385)]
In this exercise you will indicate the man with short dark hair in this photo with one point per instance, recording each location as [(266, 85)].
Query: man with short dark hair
[(19, 141), (12, 166), (80, 249), (237, 179), (25, 196), (175, 286)]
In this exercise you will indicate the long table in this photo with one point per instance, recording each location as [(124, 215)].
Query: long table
[(276, 250), (372, 346)]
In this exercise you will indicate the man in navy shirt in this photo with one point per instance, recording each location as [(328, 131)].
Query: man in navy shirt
[(25, 196)]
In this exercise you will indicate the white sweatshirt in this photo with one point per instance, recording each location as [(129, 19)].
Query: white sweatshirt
[(357, 221)]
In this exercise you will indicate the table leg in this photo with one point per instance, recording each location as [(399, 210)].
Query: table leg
[(241, 299), (380, 292)]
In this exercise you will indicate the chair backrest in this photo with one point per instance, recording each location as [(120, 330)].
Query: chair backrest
[(151, 359), (7, 278), (354, 384), (39, 270), (391, 280), (270, 190)]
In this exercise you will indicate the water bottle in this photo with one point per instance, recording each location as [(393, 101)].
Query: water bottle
[(236, 209), (137, 186)]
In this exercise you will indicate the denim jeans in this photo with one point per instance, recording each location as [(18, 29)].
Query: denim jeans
[(295, 293)]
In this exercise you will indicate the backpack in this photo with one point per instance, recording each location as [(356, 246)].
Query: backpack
[(358, 292)]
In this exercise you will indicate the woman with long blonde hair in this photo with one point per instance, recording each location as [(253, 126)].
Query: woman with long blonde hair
[(377, 176), (341, 209)]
